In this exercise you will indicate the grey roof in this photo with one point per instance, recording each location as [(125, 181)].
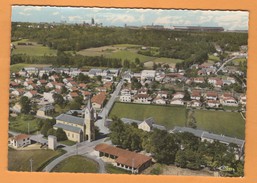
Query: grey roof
[(70, 119), (68, 127), (150, 121), (46, 108), (130, 121), (207, 135), (196, 132), (223, 139), (94, 71)]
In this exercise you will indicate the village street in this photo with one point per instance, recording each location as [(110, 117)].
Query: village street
[(233, 58)]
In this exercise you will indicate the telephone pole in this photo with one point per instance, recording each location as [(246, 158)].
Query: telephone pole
[(31, 164)]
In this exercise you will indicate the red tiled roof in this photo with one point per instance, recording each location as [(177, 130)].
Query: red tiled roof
[(99, 98), (20, 137), (74, 94), (33, 92), (124, 157)]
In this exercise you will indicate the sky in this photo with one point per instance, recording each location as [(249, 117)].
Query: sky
[(230, 20)]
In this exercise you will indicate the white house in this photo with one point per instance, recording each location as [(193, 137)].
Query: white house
[(143, 99), (125, 98), (148, 74), (20, 140), (177, 102), (178, 95), (159, 100), (162, 94), (146, 125), (231, 101), (30, 94), (213, 103)]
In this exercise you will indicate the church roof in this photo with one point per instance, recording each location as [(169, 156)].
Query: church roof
[(67, 127), (70, 119)]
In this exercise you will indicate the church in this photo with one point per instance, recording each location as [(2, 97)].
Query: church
[(76, 128)]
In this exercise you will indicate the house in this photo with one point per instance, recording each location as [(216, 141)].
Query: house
[(108, 85), (67, 80), (142, 91), (16, 108), (78, 129), (124, 159), (82, 86), (59, 86), (94, 72), (32, 87), (55, 78), (45, 111), (125, 98), (213, 103), (147, 124), (125, 91), (98, 100), (162, 94), (51, 84), (230, 101), (72, 95), (41, 82), (178, 95), (196, 95), (20, 140), (194, 103), (211, 95), (48, 97), (132, 121), (148, 75), (86, 94), (13, 84), (159, 100), (18, 92), (28, 82), (142, 98), (242, 99), (177, 102), (72, 84), (30, 94)]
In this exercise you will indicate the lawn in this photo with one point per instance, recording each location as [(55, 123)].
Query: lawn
[(77, 164), (227, 123), (19, 160), (67, 142), (18, 67), (24, 123), (115, 170), (168, 116)]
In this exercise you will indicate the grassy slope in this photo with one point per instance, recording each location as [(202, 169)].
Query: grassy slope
[(18, 160), (226, 123), (168, 116), (36, 50), (78, 164), (167, 60)]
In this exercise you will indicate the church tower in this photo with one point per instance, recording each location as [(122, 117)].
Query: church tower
[(89, 121)]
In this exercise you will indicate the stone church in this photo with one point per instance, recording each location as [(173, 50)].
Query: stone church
[(78, 129)]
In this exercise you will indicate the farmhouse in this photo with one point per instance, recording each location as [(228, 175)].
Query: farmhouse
[(20, 140), (124, 159)]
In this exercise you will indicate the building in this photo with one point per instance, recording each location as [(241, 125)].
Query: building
[(52, 142), (45, 111), (147, 124), (148, 75), (98, 100), (20, 140), (78, 129), (125, 98), (124, 159)]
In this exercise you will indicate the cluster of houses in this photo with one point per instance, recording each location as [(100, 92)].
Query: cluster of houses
[(212, 97), (41, 84)]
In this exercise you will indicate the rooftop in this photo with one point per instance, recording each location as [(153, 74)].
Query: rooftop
[(70, 119)]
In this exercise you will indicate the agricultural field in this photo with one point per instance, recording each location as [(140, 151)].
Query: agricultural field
[(78, 164), (227, 123), (32, 50), (19, 160), (18, 67), (24, 123), (168, 116)]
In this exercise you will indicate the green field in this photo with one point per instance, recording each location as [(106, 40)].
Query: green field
[(78, 164), (18, 67), (167, 60), (238, 60), (24, 123), (213, 58), (18, 160), (168, 116), (32, 50), (226, 123), (129, 55), (115, 170)]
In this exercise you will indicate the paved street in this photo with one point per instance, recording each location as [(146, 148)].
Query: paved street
[(221, 67), (105, 111)]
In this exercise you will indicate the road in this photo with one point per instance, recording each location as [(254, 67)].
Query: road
[(105, 111), (221, 67), (84, 149)]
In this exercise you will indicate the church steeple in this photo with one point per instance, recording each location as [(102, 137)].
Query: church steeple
[(89, 121)]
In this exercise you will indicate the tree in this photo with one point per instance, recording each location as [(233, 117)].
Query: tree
[(61, 135), (58, 99), (187, 96), (51, 131), (47, 126), (25, 104)]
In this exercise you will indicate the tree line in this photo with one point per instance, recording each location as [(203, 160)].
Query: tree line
[(182, 149)]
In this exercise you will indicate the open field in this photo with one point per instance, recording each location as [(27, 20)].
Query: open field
[(168, 116), (238, 60), (167, 60), (32, 50), (78, 164), (18, 67), (18, 160), (24, 123), (115, 170), (130, 55), (213, 58), (226, 123)]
